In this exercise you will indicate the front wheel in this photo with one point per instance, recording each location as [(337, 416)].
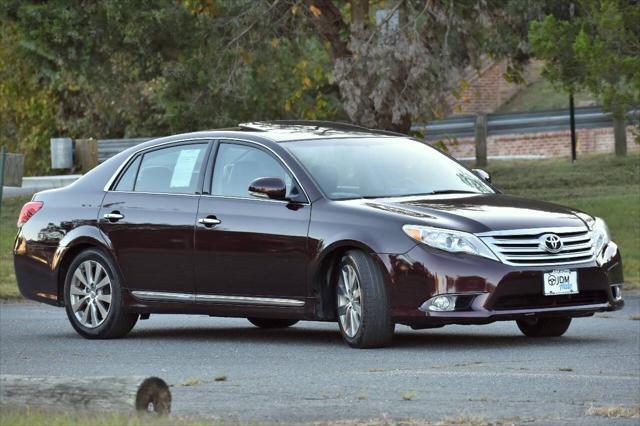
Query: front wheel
[(93, 297), (544, 327), (362, 303), (271, 322)]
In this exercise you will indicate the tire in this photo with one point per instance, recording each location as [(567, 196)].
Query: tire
[(544, 327), (104, 320), (272, 322), (375, 328)]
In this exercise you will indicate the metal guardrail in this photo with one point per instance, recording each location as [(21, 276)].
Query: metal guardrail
[(518, 122), (107, 148), (458, 127)]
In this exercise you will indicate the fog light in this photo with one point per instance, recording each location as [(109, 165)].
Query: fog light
[(442, 303), (450, 302), (616, 291)]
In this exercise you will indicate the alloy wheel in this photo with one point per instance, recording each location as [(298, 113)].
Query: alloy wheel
[(349, 301), (90, 294)]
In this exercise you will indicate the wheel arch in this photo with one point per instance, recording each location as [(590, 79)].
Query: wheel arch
[(324, 274), (66, 253)]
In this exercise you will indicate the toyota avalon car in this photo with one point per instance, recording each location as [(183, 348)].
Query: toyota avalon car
[(286, 221)]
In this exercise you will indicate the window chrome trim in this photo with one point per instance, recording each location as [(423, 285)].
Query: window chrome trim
[(229, 197), (215, 298), (219, 139), (157, 193)]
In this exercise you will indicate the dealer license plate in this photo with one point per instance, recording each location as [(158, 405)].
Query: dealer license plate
[(561, 281)]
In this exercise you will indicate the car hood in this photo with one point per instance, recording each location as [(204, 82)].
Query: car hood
[(478, 212)]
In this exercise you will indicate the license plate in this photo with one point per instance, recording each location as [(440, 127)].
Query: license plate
[(560, 282)]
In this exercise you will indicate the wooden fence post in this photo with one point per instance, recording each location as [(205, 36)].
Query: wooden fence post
[(620, 135), (3, 151), (13, 169), (86, 153), (481, 139)]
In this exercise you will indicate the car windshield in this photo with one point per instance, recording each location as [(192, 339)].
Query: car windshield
[(382, 167)]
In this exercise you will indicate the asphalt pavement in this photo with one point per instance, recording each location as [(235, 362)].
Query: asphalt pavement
[(306, 374)]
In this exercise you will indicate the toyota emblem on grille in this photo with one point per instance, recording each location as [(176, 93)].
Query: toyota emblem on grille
[(551, 243)]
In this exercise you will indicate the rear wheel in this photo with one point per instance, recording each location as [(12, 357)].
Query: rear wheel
[(93, 297), (362, 302), (271, 322), (544, 327)]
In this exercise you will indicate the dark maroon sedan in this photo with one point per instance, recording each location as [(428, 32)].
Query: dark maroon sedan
[(280, 222)]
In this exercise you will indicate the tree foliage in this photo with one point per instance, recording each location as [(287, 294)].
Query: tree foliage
[(400, 61), (116, 68), (595, 46)]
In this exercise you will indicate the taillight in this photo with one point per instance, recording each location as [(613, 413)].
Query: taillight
[(29, 210)]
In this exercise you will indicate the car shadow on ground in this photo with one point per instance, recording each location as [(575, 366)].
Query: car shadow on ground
[(403, 338)]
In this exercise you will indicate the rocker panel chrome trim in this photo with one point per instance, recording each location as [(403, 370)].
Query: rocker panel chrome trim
[(215, 298), (243, 300)]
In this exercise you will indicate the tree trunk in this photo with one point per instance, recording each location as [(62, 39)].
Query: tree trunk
[(330, 25), (108, 394), (620, 134), (360, 12)]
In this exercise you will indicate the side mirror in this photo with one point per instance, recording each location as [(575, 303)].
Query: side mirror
[(482, 174), (272, 188)]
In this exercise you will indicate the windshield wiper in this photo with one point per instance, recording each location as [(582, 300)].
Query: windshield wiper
[(451, 191), (441, 191)]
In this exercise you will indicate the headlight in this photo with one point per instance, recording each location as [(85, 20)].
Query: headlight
[(601, 236), (448, 240)]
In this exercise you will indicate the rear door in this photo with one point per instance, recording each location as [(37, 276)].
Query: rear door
[(251, 247), (149, 216)]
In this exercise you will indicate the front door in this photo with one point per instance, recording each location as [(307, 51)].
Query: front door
[(149, 216), (247, 246)]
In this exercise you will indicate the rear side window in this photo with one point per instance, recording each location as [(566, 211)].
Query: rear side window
[(128, 179), (173, 170)]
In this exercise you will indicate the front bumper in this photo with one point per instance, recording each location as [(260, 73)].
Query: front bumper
[(501, 292)]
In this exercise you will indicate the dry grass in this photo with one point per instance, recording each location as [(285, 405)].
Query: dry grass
[(618, 411), (408, 396)]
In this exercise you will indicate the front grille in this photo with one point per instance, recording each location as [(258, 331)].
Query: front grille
[(539, 301), (524, 247)]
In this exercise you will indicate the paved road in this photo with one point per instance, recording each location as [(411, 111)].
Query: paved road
[(306, 373)]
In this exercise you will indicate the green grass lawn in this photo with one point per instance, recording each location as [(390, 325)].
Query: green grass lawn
[(32, 417), (602, 185), (541, 95), (8, 218)]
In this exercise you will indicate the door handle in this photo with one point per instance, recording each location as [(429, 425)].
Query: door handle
[(209, 221), (113, 216)]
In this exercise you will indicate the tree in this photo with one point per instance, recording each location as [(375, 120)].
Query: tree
[(594, 45), (116, 68), (400, 64)]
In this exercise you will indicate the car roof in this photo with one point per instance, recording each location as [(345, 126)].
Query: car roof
[(283, 131)]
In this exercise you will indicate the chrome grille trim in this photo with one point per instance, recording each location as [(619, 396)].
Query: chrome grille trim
[(521, 247)]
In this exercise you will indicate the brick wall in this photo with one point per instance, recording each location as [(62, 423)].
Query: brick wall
[(486, 90), (550, 144)]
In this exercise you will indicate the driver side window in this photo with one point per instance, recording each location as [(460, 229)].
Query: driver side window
[(238, 165)]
